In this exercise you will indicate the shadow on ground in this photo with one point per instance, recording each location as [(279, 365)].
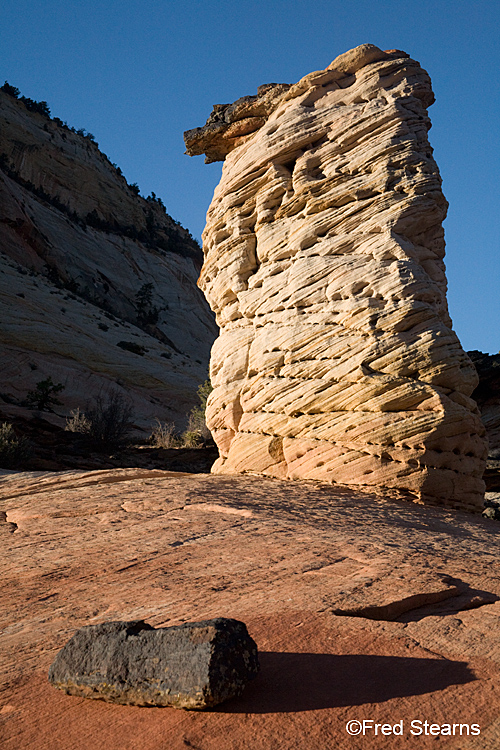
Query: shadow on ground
[(291, 682)]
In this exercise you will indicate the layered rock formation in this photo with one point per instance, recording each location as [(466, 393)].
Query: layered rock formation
[(97, 284), (324, 264)]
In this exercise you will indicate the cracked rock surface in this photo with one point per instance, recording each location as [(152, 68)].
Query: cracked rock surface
[(324, 252), (361, 606)]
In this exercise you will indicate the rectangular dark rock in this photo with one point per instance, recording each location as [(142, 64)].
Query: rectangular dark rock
[(195, 665)]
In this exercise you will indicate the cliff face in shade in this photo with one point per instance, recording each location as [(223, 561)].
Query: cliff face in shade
[(324, 265), (77, 245), (487, 396)]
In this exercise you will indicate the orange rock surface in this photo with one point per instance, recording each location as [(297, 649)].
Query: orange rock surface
[(313, 570)]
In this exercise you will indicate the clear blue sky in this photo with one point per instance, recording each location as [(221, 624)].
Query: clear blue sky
[(137, 73)]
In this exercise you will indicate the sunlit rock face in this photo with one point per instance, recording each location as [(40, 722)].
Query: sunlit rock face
[(324, 249)]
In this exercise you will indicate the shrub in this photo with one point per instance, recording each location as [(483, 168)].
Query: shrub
[(42, 397), (33, 106), (77, 422), (85, 134), (197, 431), (106, 424), (191, 438), (14, 451), (163, 435), (11, 90)]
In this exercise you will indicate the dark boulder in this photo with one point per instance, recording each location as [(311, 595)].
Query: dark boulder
[(195, 665)]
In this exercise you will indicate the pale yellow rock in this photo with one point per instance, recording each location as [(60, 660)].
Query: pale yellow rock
[(324, 251)]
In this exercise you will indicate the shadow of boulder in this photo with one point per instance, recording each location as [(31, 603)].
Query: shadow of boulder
[(290, 682)]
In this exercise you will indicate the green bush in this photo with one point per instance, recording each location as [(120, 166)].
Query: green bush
[(14, 451), (42, 397), (197, 431)]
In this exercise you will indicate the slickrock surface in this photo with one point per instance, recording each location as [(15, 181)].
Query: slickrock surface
[(324, 264), (82, 548), (76, 247)]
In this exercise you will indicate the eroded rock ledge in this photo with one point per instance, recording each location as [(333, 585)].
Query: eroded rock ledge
[(324, 264)]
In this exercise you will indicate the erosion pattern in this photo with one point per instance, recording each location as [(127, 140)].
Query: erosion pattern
[(324, 265)]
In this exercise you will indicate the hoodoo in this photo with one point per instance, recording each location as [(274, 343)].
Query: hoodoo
[(324, 251)]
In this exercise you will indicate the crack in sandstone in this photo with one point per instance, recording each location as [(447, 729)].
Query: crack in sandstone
[(206, 535)]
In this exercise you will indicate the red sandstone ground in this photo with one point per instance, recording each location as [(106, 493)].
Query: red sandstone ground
[(87, 547)]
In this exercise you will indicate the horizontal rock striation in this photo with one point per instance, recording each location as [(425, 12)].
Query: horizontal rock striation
[(324, 265)]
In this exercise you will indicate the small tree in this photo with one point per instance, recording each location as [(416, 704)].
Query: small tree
[(144, 297), (11, 90), (43, 396), (33, 106), (147, 313)]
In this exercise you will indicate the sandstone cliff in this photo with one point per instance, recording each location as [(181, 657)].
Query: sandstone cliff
[(97, 284), (487, 395), (324, 264)]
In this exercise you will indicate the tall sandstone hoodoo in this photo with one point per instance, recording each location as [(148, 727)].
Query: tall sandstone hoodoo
[(324, 251)]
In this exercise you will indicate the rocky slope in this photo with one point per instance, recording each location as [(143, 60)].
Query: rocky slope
[(324, 265), (487, 395), (361, 607), (97, 284)]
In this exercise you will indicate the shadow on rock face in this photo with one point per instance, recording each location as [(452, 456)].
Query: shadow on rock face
[(290, 682)]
